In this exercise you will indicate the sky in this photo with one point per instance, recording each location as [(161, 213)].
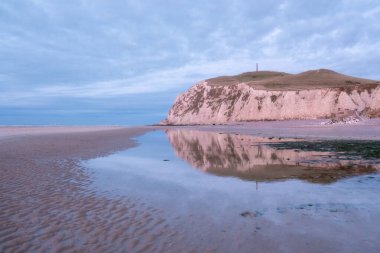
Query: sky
[(123, 62)]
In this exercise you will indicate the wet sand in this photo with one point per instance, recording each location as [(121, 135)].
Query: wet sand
[(17, 131), (49, 204)]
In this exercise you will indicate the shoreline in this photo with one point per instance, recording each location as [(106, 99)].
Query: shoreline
[(15, 131), (305, 129)]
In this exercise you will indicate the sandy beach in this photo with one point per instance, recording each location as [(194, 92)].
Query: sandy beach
[(17, 131), (48, 202), (309, 129)]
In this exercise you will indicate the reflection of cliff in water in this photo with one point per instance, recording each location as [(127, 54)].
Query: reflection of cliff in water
[(249, 158)]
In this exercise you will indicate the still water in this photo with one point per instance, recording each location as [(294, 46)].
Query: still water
[(278, 191)]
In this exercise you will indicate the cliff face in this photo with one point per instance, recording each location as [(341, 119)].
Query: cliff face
[(276, 96)]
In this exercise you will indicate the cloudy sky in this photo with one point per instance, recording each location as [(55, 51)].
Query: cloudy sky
[(125, 61)]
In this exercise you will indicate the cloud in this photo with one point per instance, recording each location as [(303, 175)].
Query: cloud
[(101, 50), (272, 36), (177, 79)]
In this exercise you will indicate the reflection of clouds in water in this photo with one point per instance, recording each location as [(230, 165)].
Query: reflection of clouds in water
[(209, 203), (248, 157)]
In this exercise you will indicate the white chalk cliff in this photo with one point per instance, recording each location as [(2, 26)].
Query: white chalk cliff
[(266, 95)]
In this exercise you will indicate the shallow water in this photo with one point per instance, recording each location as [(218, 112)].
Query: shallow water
[(228, 192)]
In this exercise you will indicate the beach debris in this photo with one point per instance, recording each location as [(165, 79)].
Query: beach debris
[(346, 119), (251, 214)]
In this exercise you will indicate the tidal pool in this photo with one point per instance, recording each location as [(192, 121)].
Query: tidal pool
[(231, 192)]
